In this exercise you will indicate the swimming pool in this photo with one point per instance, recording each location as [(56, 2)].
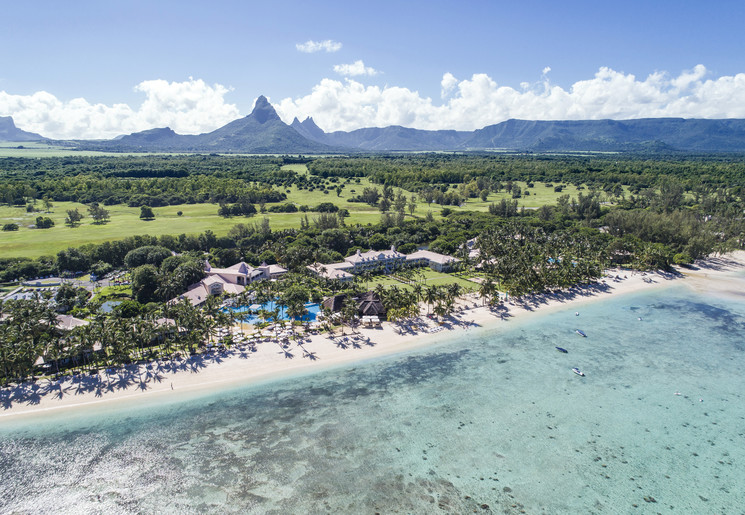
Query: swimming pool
[(249, 314)]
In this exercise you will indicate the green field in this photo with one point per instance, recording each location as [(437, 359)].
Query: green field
[(32, 149), (431, 278), (197, 218)]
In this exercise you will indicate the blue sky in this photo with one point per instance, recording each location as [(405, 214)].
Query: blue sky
[(92, 68)]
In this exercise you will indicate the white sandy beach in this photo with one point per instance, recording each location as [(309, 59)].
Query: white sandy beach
[(207, 372)]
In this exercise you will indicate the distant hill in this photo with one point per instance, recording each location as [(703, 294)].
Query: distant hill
[(9, 131), (673, 134), (263, 132), (389, 138), (641, 135)]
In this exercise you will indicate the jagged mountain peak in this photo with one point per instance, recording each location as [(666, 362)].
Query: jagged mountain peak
[(263, 111), (310, 123)]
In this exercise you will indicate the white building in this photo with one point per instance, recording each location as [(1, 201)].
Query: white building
[(384, 260), (436, 261), (233, 280), (333, 271)]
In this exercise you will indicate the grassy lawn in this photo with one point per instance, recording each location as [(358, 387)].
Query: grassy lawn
[(125, 221), (431, 277), (197, 218), (114, 292)]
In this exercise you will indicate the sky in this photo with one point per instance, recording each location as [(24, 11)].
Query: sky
[(93, 69)]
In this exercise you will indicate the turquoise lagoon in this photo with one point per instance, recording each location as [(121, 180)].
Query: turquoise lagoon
[(487, 420)]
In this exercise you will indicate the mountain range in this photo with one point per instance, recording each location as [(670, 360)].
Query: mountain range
[(263, 131), (9, 131)]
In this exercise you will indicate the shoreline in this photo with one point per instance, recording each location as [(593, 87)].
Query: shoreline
[(207, 373)]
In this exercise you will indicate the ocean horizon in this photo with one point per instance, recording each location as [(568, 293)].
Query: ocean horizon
[(486, 419)]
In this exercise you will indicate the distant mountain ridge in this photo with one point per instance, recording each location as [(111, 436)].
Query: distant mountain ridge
[(9, 131), (263, 132), (614, 135), (390, 138)]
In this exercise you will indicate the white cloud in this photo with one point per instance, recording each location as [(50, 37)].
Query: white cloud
[(192, 106), (479, 101), (354, 69), (311, 46), (188, 107), (447, 84)]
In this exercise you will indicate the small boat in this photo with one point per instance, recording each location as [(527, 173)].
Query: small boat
[(580, 332), (561, 349), (578, 372)]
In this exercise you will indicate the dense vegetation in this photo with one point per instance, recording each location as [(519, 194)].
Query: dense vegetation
[(632, 212)]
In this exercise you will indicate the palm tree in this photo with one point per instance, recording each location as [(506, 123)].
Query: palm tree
[(143, 333), (417, 290), (349, 311), (487, 289), (431, 295)]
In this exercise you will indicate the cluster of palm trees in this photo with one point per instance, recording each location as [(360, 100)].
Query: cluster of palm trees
[(27, 328), (402, 303), (30, 330), (523, 259)]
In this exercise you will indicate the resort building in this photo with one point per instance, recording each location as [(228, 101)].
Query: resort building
[(333, 271), (473, 250), (233, 280), (66, 323), (368, 304), (437, 262), (381, 261)]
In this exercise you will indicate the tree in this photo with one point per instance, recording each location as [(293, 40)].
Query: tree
[(98, 213), (27, 331), (47, 204), (671, 193), (44, 222), (412, 205), (69, 297), (145, 282), (147, 255), (349, 311), (370, 196), (487, 289), (72, 260), (378, 242), (73, 217), (10, 227), (431, 295), (400, 202), (146, 213)]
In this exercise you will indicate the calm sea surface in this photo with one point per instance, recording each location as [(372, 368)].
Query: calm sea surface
[(488, 421)]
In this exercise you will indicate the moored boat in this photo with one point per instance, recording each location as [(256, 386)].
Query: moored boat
[(581, 333), (578, 372), (561, 349)]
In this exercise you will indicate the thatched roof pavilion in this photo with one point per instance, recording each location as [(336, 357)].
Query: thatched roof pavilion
[(369, 304)]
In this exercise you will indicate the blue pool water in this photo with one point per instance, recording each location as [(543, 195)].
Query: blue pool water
[(250, 317), (491, 420)]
